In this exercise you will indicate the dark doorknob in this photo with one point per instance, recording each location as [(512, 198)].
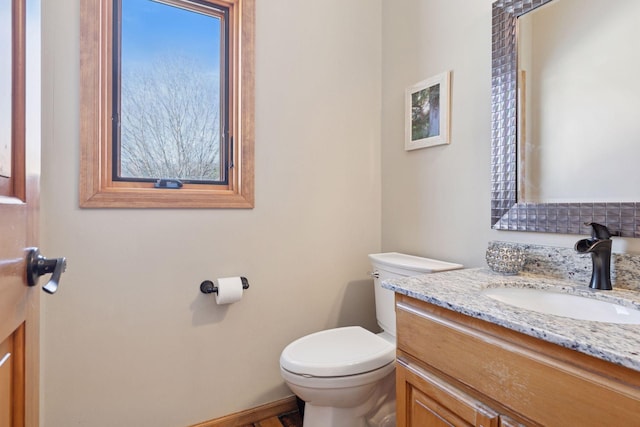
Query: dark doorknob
[(37, 266)]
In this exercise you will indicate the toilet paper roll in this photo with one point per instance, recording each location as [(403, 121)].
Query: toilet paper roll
[(229, 290)]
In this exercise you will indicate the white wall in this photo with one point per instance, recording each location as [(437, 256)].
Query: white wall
[(436, 201), (128, 339)]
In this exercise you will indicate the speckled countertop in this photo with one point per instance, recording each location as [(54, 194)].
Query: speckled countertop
[(461, 291)]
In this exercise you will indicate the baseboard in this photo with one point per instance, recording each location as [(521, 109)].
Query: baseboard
[(253, 415)]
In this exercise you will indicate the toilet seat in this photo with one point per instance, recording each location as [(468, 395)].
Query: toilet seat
[(337, 352)]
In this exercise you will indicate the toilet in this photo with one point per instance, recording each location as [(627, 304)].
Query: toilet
[(346, 376)]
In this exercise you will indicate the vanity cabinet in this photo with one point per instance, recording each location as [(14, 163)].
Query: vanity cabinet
[(455, 370)]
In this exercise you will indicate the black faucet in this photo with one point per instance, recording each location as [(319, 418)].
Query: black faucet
[(599, 246)]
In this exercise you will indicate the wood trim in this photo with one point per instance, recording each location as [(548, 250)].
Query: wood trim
[(246, 65), (32, 358), (253, 415), (97, 189), (403, 393), (19, 371), (15, 186), (19, 98)]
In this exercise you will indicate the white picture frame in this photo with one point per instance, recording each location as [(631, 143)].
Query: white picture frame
[(427, 112)]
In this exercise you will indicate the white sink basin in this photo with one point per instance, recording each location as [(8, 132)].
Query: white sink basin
[(566, 305)]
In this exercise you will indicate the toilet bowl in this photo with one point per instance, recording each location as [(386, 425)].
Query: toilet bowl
[(346, 376), (338, 373)]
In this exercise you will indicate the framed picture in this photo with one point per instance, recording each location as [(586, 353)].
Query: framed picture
[(427, 112)]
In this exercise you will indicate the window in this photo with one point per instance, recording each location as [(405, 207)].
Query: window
[(167, 103), (170, 87)]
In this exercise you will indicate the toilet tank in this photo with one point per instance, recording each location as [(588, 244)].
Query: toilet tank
[(394, 265)]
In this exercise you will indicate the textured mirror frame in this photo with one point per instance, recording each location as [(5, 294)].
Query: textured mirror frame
[(506, 212)]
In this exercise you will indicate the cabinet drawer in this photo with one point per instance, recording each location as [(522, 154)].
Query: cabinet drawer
[(546, 389)]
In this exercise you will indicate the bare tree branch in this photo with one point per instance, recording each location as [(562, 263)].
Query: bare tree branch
[(170, 121)]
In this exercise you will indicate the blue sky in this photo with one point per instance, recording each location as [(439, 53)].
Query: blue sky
[(151, 29)]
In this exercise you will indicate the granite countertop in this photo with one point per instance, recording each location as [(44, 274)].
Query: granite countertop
[(460, 290)]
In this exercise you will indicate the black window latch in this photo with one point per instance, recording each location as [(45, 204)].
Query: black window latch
[(168, 183)]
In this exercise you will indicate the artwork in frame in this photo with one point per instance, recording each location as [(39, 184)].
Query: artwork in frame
[(427, 112)]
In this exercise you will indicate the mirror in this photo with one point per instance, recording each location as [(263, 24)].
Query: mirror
[(578, 89), (530, 137)]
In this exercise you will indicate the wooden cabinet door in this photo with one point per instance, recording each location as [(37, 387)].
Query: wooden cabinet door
[(19, 181), (424, 411), (426, 400)]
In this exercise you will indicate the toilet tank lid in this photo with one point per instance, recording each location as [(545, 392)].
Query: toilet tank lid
[(337, 352), (412, 263)]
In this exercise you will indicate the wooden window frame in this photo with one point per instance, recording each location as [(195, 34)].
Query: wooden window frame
[(98, 189)]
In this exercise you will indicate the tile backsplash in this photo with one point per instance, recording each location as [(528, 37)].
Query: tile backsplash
[(566, 263)]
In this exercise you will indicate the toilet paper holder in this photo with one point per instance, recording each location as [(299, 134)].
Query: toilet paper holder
[(208, 287)]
